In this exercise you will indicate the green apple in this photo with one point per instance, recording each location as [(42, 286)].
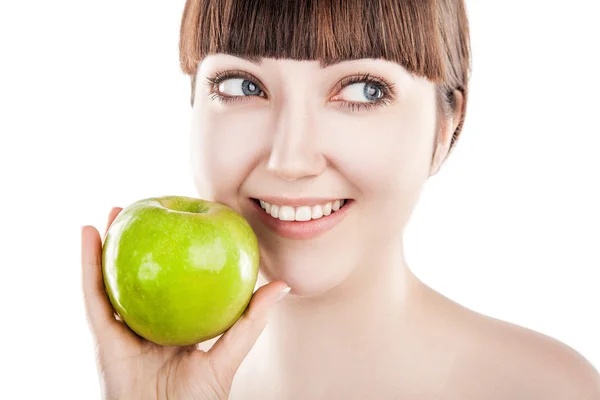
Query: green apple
[(179, 270)]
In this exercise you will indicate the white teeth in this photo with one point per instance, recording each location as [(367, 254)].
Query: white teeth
[(302, 213), (316, 212), (274, 211), (336, 205), (287, 213)]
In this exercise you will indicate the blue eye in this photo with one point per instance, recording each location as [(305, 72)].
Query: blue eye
[(239, 87), (363, 92), (358, 92)]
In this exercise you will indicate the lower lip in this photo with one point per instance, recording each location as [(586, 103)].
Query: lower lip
[(302, 229)]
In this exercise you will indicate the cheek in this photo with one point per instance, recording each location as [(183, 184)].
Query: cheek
[(388, 155), (225, 148), (387, 159)]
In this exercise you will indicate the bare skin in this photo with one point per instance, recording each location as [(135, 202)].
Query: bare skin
[(434, 349), (357, 323), (131, 367)]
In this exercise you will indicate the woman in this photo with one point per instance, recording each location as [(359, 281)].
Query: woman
[(320, 123)]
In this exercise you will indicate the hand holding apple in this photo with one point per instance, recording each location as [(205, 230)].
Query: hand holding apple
[(133, 367)]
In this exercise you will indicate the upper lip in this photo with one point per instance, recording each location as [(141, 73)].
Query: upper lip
[(297, 202)]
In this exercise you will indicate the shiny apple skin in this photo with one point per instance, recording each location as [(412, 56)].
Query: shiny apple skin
[(179, 270)]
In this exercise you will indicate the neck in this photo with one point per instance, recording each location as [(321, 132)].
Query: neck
[(370, 301)]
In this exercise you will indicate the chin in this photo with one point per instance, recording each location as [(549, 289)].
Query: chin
[(304, 275)]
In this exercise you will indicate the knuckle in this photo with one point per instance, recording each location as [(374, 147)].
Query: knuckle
[(253, 321)]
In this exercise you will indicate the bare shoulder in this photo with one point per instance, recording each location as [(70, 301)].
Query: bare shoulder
[(543, 366), (517, 362)]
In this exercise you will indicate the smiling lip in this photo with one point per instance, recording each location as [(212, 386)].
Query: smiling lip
[(300, 229)]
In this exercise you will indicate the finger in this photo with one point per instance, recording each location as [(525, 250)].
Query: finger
[(111, 217), (230, 350), (114, 212), (99, 311)]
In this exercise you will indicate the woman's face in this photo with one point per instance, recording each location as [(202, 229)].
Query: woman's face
[(301, 138)]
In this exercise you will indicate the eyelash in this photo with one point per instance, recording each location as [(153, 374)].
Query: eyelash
[(385, 86)]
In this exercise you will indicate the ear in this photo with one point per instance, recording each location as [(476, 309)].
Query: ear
[(448, 127)]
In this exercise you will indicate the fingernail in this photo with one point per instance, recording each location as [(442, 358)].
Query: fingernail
[(283, 293)]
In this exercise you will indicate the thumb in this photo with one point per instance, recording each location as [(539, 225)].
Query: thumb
[(230, 350)]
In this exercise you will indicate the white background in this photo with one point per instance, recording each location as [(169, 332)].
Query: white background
[(94, 112)]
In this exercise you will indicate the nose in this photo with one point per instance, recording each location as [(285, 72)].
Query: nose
[(295, 150)]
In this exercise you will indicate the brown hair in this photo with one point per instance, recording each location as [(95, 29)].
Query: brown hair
[(430, 38)]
